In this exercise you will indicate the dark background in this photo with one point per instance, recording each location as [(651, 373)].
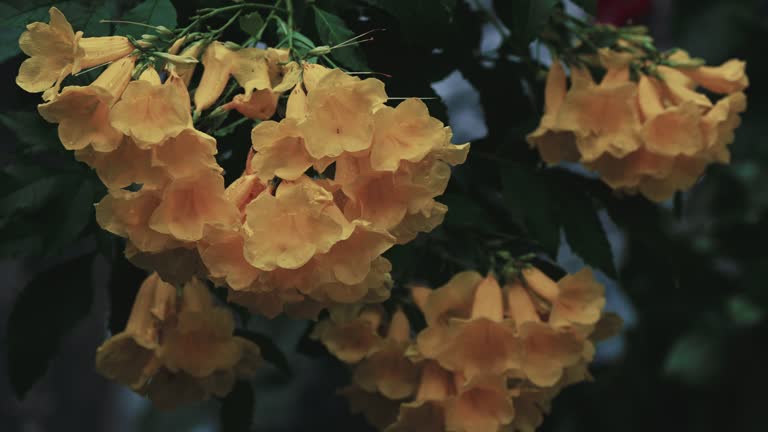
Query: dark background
[(690, 281)]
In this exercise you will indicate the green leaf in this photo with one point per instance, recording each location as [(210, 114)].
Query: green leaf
[(49, 308), (333, 31), (77, 212), (237, 408), (530, 194), (16, 14), (524, 18), (251, 23), (423, 22), (35, 194), (584, 231), (694, 358), (589, 6), (36, 135), (269, 350), (151, 12)]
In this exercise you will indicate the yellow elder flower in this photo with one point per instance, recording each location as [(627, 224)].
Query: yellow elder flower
[(127, 214), (603, 118), (576, 298), (177, 352), (83, 112), (186, 154), (286, 230), (261, 105), (406, 132), (280, 150), (481, 405), (191, 205), (55, 51), (124, 166), (377, 409), (655, 136), (222, 255), (482, 342), (351, 334), (340, 114), (150, 112), (388, 371)]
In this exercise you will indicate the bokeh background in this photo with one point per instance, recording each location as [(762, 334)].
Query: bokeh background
[(690, 280)]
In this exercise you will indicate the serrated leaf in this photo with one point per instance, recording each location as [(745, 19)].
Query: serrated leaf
[(49, 308), (251, 23), (151, 12), (269, 350), (333, 31), (584, 231), (237, 408), (524, 18), (17, 14), (530, 194)]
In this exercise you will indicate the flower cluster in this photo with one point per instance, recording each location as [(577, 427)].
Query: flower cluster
[(651, 133), (177, 350), (490, 358), (326, 191)]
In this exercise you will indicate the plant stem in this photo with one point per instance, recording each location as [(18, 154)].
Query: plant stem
[(289, 6)]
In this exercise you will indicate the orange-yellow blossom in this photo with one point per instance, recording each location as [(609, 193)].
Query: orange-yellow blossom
[(56, 51), (177, 350), (83, 112)]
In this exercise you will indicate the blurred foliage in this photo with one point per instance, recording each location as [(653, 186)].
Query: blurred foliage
[(693, 360)]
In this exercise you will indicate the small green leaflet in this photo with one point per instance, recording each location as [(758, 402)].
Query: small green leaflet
[(333, 31)]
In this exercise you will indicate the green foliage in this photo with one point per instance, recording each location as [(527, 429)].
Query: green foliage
[(49, 308), (251, 23), (423, 22), (152, 12), (524, 18), (332, 32)]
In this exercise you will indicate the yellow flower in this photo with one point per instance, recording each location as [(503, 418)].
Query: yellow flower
[(55, 51), (482, 342), (185, 71), (340, 114), (554, 145), (191, 205), (126, 165), (351, 333), (222, 255), (260, 105), (730, 77), (603, 117), (177, 351), (151, 112), (127, 214), (280, 150), (405, 133), (427, 411), (482, 405), (388, 371), (83, 112), (378, 410), (186, 154), (654, 135), (286, 230), (576, 298)]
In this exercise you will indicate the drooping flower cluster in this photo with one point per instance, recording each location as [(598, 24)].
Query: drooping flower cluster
[(326, 191), (177, 350), (490, 358), (649, 133)]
